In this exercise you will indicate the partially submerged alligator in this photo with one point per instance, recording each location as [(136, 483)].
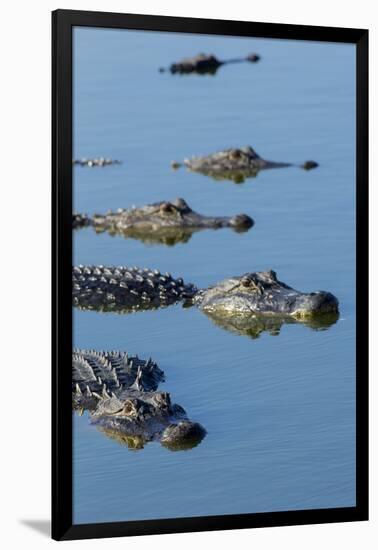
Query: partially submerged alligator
[(161, 222), (95, 162), (235, 164), (122, 289), (205, 64), (120, 393)]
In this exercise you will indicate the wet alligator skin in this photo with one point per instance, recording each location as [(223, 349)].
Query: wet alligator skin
[(126, 289), (261, 293)]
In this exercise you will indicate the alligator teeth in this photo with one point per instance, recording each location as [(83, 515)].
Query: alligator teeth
[(78, 390)]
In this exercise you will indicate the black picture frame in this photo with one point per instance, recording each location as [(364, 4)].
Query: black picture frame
[(62, 23)]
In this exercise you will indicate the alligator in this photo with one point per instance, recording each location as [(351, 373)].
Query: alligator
[(123, 290), (95, 162), (235, 164), (205, 64), (161, 222), (120, 393)]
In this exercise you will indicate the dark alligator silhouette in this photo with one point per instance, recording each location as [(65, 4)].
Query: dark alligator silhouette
[(235, 164), (253, 295), (120, 392), (95, 162), (162, 222), (205, 64)]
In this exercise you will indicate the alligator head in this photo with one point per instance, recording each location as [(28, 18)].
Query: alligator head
[(147, 416), (235, 164), (261, 293), (165, 222)]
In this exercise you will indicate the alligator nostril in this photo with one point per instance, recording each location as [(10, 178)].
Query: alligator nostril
[(242, 221), (309, 165)]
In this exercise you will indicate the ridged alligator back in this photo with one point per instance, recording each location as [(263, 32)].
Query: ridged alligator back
[(125, 289), (100, 374)]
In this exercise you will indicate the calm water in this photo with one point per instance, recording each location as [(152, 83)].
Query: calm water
[(279, 410)]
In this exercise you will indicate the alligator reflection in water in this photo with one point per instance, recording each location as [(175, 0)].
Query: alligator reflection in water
[(165, 222), (254, 325)]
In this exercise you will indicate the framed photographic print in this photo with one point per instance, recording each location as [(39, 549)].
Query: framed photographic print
[(210, 274)]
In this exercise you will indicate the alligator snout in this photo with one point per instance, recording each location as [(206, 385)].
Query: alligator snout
[(241, 222), (309, 165), (184, 435), (315, 303)]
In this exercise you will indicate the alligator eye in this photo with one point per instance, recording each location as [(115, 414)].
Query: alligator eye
[(129, 408), (246, 281), (167, 208), (235, 154)]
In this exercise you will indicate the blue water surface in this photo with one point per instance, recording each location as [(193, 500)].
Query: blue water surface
[(279, 410)]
